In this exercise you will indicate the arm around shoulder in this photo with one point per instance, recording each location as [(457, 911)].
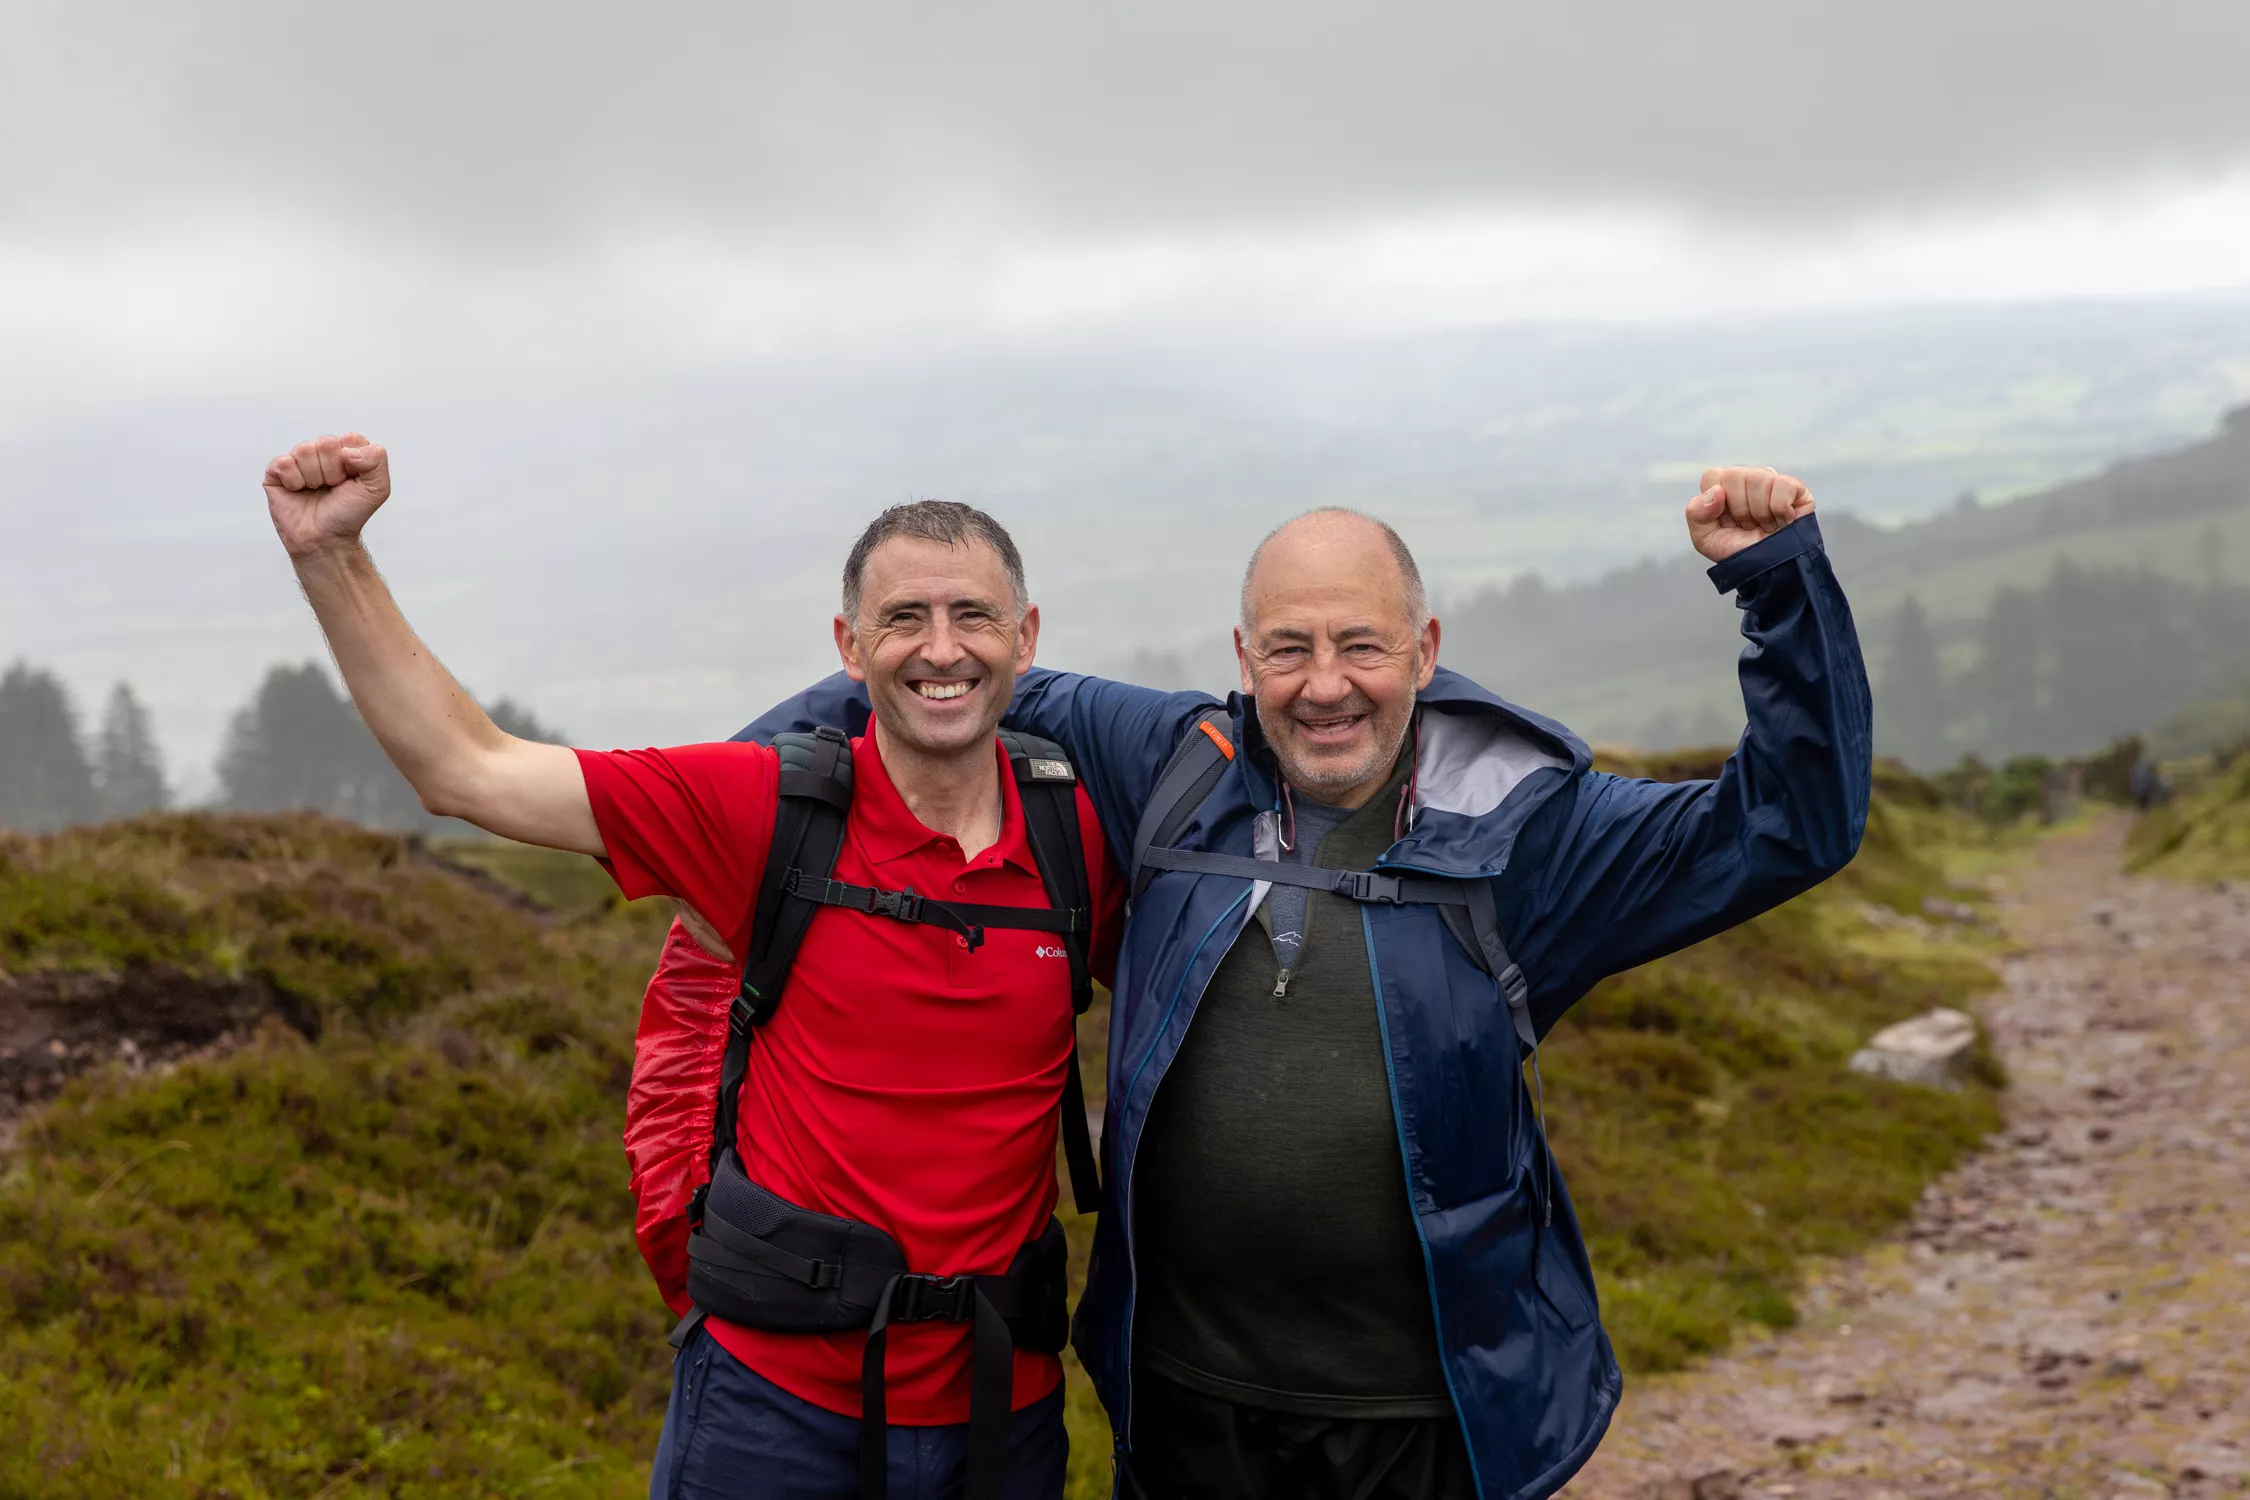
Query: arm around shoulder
[(1118, 735)]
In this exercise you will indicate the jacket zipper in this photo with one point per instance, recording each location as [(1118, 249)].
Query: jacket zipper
[(1288, 971)]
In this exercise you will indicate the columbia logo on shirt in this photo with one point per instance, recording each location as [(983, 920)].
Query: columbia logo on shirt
[(1046, 952)]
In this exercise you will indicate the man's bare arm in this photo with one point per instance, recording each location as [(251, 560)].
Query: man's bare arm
[(461, 764)]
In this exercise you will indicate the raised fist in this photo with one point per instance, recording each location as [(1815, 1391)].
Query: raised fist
[(1740, 506), (322, 492)]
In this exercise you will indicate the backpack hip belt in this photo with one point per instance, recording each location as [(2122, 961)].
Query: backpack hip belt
[(756, 1259)]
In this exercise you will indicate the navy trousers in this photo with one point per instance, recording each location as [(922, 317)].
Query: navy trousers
[(731, 1434)]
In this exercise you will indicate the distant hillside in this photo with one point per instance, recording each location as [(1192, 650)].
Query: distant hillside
[(1645, 655)]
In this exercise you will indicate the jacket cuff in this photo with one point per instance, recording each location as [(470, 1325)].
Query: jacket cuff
[(1790, 542)]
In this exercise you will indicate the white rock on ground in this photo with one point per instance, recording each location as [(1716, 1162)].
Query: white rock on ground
[(1931, 1050)]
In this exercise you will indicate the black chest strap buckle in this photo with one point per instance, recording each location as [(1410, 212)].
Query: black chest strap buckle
[(1370, 886)]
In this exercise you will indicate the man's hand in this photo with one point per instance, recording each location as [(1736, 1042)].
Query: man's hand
[(321, 492), (1741, 506)]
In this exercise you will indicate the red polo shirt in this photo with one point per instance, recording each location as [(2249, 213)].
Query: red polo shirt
[(905, 1081)]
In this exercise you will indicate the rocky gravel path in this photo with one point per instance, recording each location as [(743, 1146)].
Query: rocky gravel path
[(2069, 1314)]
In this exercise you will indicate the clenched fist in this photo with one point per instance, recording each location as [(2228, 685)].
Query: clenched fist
[(322, 492), (1741, 506)]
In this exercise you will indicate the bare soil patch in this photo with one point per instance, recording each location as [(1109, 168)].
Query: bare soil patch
[(2069, 1313), (57, 1025)]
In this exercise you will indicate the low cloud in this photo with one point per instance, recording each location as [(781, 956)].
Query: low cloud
[(531, 125)]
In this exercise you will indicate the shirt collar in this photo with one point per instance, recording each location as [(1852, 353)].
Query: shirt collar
[(886, 828)]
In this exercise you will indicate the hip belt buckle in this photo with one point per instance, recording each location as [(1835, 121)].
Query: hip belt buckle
[(933, 1299)]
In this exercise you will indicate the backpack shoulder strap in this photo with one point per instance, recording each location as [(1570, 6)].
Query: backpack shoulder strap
[(1475, 925), (1197, 763), (808, 833), (1047, 787), (1484, 943)]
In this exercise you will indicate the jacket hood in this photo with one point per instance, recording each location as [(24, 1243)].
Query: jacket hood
[(1482, 767)]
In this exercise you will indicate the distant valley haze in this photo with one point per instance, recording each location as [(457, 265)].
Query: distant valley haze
[(655, 306)]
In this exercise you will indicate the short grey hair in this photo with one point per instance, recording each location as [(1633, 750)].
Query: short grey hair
[(946, 521), (1417, 598)]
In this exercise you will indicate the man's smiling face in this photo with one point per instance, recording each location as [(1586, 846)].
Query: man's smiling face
[(939, 640), (1333, 651)]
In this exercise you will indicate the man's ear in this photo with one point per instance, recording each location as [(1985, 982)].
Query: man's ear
[(1430, 634), (1027, 639), (1242, 660), (847, 647)]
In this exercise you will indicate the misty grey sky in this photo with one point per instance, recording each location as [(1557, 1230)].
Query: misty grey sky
[(531, 124), (645, 295)]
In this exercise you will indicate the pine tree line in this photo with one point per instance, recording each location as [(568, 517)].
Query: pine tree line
[(2061, 668), (296, 745), (48, 776)]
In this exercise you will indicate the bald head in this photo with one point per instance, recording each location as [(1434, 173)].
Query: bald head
[(1334, 540), (1335, 642)]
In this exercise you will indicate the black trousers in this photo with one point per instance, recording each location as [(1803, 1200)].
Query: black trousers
[(1189, 1446)]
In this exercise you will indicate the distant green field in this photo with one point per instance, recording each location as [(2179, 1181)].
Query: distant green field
[(2201, 549), (397, 1260)]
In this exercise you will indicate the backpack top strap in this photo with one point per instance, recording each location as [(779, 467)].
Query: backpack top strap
[(1047, 786), (1037, 762), (1197, 763)]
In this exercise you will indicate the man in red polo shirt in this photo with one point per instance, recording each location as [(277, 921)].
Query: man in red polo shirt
[(911, 1080)]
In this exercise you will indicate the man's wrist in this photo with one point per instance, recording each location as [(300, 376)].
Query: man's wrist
[(330, 555), (1792, 541)]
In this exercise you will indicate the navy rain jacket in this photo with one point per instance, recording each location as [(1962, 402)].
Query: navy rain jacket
[(1591, 874)]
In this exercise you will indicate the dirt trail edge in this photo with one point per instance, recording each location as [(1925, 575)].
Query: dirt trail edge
[(2069, 1313)]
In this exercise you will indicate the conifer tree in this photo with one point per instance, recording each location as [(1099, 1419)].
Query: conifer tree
[(128, 766), (1911, 707), (297, 745), (45, 782), (2008, 687)]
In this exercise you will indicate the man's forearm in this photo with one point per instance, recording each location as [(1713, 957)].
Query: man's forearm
[(457, 760), (431, 729), (1806, 702)]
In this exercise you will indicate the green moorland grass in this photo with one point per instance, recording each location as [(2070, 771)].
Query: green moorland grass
[(1701, 1109), (398, 1260), (2204, 835)]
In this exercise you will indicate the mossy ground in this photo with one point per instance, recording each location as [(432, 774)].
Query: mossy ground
[(2204, 835), (398, 1260)]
